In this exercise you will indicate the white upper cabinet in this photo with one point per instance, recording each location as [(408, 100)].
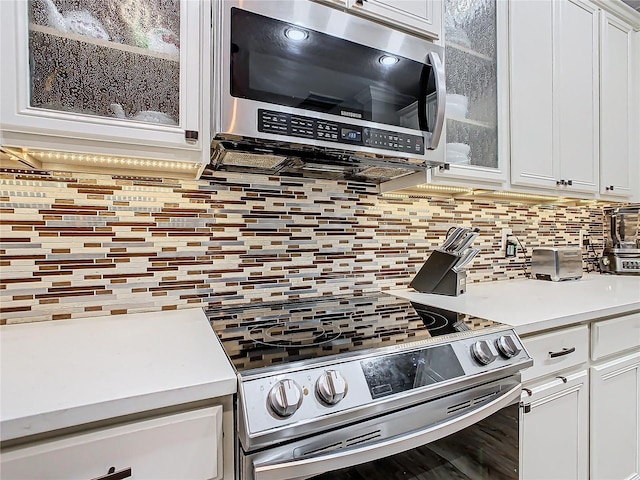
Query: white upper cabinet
[(616, 106), (126, 80), (423, 17), (554, 80), (475, 36)]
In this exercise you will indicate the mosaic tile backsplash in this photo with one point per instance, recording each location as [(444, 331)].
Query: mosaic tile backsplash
[(78, 245)]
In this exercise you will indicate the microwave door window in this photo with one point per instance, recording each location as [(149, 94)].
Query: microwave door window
[(284, 64)]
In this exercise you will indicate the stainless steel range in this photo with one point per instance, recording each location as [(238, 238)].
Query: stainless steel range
[(373, 385)]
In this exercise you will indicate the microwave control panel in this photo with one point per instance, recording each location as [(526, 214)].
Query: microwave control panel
[(316, 129)]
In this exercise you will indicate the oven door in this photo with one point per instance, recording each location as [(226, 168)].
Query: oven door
[(329, 75), (478, 440)]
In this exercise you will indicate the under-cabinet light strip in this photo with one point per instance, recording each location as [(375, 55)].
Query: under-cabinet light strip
[(130, 162), (444, 188)]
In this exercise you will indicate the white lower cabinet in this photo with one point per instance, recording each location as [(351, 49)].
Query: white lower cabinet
[(615, 419), (185, 445), (615, 398), (555, 406), (554, 429), (580, 416)]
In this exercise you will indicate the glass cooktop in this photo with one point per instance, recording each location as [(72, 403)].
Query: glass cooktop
[(272, 334)]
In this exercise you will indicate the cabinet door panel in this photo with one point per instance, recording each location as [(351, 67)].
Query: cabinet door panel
[(554, 430), (615, 106), (422, 16), (185, 446), (615, 419), (531, 92), (576, 94)]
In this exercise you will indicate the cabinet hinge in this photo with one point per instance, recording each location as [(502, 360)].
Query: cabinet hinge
[(526, 408)]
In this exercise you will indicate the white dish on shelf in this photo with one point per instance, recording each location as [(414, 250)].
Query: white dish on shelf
[(457, 105), (458, 153)]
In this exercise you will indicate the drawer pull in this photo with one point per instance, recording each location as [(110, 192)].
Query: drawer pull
[(113, 475), (564, 379), (565, 351)]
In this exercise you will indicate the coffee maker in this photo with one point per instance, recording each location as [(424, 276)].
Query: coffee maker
[(621, 240)]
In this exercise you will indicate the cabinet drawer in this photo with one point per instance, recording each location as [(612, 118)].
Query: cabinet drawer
[(555, 351), (615, 335), (186, 445)]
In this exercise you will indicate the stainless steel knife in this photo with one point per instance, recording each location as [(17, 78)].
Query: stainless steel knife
[(465, 242), (455, 237), (465, 259)]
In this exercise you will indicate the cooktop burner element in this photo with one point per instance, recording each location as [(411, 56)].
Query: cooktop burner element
[(298, 334), (433, 321), (269, 335)]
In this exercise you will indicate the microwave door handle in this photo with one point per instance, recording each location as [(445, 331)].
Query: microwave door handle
[(441, 94), (338, 459)]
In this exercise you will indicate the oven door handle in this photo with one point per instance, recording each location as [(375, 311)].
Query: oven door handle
[(348, 457)]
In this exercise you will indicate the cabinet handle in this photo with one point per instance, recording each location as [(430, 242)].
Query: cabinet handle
[(360, 2), (564, 351), (560, 182), (609, 188), (113, 475), (564, 379), (569, 182), (191, 136)]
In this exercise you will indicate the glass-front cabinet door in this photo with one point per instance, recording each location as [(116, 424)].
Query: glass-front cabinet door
[(473, 36), (110, 59), (125, 71)]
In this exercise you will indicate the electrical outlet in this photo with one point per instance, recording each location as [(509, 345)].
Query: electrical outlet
[(512, 247), (504, 233)]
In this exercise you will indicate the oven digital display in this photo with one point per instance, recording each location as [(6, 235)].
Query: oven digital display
[(406, 371)]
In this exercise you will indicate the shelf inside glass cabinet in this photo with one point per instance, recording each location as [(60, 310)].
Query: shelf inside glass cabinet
[(34, 27)]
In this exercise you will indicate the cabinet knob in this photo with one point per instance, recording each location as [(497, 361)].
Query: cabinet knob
[(569, 182), (610, 187), (360, 2), (560, 182)]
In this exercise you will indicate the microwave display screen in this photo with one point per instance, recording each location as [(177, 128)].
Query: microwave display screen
[(283, 64), (349, 134)]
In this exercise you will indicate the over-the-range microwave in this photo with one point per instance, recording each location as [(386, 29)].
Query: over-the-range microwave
[(300, 85)]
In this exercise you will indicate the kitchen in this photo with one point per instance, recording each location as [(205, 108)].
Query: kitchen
[(125, 242)]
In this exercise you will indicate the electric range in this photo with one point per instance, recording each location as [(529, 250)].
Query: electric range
[(311, 365)]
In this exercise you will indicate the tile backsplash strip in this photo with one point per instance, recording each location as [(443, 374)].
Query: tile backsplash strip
[(75, 245)]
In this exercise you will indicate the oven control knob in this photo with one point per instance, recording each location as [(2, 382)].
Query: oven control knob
[(331, 387), (285, 397), (507, 346), (481, 351)]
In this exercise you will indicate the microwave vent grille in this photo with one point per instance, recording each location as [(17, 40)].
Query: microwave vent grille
[(241, 159), (384, 172)]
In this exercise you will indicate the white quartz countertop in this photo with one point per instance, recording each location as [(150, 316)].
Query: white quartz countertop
[(534, 305), (63, 373)]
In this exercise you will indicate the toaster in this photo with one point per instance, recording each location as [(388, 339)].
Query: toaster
[(556, 264)]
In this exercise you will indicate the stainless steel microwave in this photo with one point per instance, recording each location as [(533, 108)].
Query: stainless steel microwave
[(299, 76)]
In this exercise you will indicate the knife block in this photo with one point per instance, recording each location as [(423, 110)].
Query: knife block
[(436, 276)]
